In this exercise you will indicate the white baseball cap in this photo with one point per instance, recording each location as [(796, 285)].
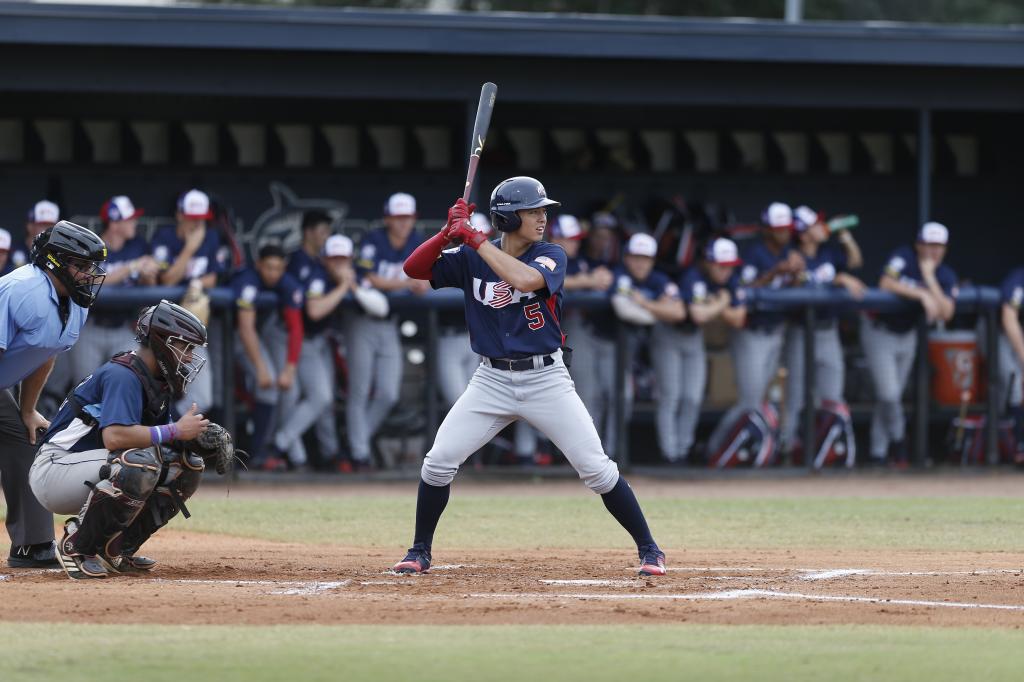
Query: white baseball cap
[(778, 215), (5, 240), (723, 252), (642, 244), (195, 204), (338, 245), (119, 208), (400, 203), (933, 233), (481, 222), (44, 212), (805, 217), (567, 227)]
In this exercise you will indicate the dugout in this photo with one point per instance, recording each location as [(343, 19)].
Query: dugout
[(895, 123)]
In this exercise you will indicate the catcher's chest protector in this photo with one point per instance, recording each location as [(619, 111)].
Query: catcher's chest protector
[(156, 396)]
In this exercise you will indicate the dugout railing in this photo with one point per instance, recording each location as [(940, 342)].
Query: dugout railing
[(982, 301)]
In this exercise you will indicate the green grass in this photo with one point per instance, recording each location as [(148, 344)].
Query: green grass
[(557, 653), (476, 520)]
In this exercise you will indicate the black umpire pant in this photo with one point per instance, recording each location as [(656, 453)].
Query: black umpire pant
[(28, 523)]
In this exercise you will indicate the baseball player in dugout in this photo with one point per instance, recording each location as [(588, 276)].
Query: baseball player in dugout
[(889, 340), (43, 215), (709, 292), (114, 459), (374, 345), (5, 252), (826, 263), (770, 261), (323, 267), (1011, 355), (190, 253), (128, 264), (43, 306), (513, 300), (269, 342)]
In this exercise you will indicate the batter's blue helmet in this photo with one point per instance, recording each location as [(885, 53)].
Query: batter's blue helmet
[(514, 195)]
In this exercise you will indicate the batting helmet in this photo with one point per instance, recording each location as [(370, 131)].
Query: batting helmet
[(67, 244), (516, 194), (173, 334)]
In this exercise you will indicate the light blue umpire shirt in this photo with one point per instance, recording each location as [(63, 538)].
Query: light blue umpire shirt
[(31, 331)]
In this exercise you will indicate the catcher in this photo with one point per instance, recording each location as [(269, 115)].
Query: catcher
[(113, 457)]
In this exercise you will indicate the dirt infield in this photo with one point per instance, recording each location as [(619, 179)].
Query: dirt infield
[(226, 580)]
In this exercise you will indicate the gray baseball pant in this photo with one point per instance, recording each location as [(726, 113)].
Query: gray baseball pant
[(829, 376), (273, 346), (58, 477), (680, 367), (456, 363), (545, 397), (890, 357), (315, 379), (755, 355), (28, 522), (374, 362)]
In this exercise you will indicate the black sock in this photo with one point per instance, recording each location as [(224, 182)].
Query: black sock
[(262, 418), (430, 503), (622, 504)]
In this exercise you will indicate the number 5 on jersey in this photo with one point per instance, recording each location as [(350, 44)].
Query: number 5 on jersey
[(534, 315)]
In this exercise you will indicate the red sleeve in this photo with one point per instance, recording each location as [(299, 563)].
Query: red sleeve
[(420, 262), (293, 322)]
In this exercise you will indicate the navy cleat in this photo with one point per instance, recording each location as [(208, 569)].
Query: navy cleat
[(652, 560), (42, 555), (416, 561)]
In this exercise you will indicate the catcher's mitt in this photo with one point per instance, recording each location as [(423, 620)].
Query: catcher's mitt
[(215, 446)]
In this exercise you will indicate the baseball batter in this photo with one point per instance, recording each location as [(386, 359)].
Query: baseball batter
[(513, 301), (43, 307)]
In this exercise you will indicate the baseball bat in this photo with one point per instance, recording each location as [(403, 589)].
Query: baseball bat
[(483, 121)]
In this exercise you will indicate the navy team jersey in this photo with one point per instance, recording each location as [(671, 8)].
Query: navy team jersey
[(656, 285), (110, 395), (210, 257), (821, 270), (18, 257), (312, 277), (696, 287), (505, 322), (758, 259), (1013, 291), (117, 260), (377, 255), (903, 267), (247, 285)]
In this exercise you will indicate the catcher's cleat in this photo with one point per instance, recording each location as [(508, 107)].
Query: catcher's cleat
[(77, 565), (417, 560), (127, 564), (652, 560)]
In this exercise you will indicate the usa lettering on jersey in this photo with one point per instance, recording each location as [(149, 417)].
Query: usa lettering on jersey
[(498, 294)]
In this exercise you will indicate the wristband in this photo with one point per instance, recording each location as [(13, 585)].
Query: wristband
[(163, 433)]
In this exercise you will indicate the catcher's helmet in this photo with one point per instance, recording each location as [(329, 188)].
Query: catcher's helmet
[(173, 334), (514, 195), (67, 244)]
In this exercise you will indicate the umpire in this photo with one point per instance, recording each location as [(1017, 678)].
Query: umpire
[(42, 308)]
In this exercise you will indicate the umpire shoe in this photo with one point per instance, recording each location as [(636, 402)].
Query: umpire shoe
[(41, 555), (416, 561), (652, 560)]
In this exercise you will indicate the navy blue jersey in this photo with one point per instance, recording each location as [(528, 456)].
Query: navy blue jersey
[(118, 260), (505, 322), (377, 255), (17, 258), (656, 285), (696, 287), (209, 257), (757, 260), (903, 267), (821, 270), (111, 395), (247, 285), (312, 277), (1013, 291)]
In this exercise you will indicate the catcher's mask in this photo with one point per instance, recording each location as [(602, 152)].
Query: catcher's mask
[(74, 255), (173, 334)]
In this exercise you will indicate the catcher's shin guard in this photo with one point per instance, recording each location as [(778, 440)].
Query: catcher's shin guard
[(115, 501)]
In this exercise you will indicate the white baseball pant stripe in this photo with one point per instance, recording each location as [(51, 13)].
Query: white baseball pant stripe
[(680, 367), (890, 356), (544, 397)]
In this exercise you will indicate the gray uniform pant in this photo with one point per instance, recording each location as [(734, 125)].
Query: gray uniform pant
[(1010, 370), (680, 367), (828, 379), (593, 365), (58, 477), (755, 355), (545, 397), (273, 345), (374, 363), (315, 407), (200, 391), (28, 522), (96, 345), (890, 357)]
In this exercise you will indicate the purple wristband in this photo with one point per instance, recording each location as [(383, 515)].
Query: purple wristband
[(162, 433)]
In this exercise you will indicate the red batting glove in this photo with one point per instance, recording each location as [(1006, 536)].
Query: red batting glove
[(460, 212), (463, 233)]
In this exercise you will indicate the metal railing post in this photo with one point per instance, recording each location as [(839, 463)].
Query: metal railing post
[(992, 350), (621, 444), (227, 362), (810, 382), (921, 397)]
